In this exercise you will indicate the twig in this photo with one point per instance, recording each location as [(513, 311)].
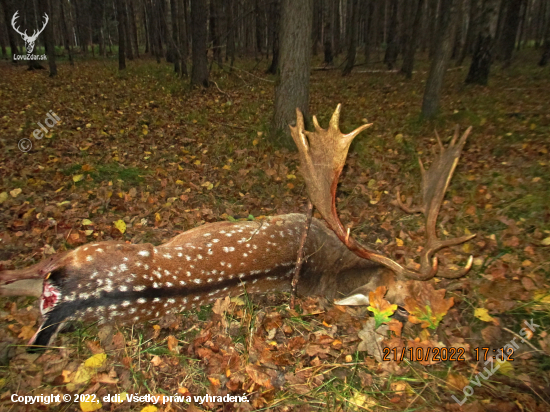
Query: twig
[(523, 340), (300, 259)]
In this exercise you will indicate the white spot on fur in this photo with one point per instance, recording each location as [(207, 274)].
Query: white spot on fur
[(143, 253)]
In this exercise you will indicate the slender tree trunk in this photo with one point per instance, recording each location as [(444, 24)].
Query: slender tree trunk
[(199, 71), (30, 13), (121, 40), (182, 27), (408, 60), (510, 30), (432, 93), (292, 86), (353, 21), (274, 18), (45, 8), (231, 30), (546, 47), (127, 36), (368, 29), (132, 23), (215, 27), (8, 13), (336, 43), (483, 53), (175, 35), (66, 37), (392, 49)]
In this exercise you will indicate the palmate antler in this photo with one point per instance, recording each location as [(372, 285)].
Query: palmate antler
[(322, 157)]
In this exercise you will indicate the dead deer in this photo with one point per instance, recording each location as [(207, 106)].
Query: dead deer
[(129, 283)]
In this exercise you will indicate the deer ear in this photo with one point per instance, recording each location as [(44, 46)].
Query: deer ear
[(359, 296)]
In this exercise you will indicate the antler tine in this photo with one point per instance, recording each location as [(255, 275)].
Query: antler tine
[(334, 123), (441, 147), (406, 208), (316, 124)]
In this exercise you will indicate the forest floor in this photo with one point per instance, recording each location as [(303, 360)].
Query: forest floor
[(139, 147)]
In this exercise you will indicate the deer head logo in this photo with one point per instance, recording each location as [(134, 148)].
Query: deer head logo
[(29, 40)]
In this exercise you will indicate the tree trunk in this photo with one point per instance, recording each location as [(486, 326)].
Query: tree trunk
[(392, 49), (336, 27), (215, 30), (510, 30), (483, 52), (546, 48), (132, 22), (473, 26), (370, 36), (175, 35), (199, 71), (274, 24), (45, 8), (292, 86), (11, 33), (121, 40), (442, 54), (30, 13), (231, 30), (353, 21), (127, 36), (66, 36), (408, 60), (183, 43)]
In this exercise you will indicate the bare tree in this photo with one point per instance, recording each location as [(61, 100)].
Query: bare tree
[(546, 47), (412, 43), (292, 87), (121, 40), (432, 93), (45, 10), (353, 21), (510, 30), (483, 52), (199, 71)]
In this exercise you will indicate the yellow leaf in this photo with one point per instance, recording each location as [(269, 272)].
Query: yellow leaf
[(399, 137), (546, 241), (179, 182), (95, 361), (158, 218), (255, 142), (399, 242), (89, 125), (86, 222), (483, 314), (145, 131), (120, 225), (197, 162), (506, 368), (88, 232), (152, 408), (2, 382), (290, 177), (89, 405), (78, 178), (3, 197), (15, 192), (227, 167)]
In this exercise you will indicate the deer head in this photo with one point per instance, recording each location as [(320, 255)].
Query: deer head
[(29, 40)]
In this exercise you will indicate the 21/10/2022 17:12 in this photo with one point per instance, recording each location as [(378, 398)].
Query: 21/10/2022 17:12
[(453, 354)]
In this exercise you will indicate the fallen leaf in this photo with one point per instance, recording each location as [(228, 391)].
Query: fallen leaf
[(120, 225)]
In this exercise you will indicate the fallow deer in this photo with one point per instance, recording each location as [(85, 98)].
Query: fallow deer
[(128, 283)]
